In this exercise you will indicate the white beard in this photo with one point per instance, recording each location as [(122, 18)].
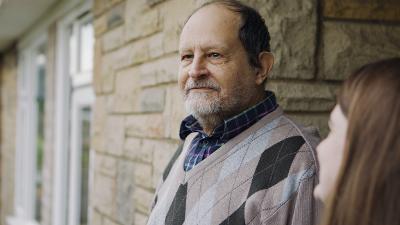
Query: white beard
[(206, 105), (211, 108), (202, 104)]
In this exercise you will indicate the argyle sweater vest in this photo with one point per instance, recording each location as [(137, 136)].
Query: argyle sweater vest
[(265, 175)]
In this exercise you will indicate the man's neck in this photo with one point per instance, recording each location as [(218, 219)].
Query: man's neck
[(211, 121)]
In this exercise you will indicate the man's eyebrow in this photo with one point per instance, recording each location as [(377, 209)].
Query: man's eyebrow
[(217, 46)]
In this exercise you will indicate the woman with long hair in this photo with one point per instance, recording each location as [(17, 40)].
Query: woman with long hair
[(360, 158)]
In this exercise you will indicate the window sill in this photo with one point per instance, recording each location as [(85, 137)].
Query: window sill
[(20, 221)]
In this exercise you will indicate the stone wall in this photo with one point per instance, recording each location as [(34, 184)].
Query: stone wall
[(138, 107), (8, 105)]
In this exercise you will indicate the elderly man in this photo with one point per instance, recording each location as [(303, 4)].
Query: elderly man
[(242, 160)]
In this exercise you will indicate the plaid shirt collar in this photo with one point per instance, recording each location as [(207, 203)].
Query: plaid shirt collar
[(234, 125)]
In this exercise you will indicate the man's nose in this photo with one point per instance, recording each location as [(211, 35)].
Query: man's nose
[(198, 68)]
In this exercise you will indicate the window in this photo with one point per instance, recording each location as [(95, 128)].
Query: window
[(30, 134), (40, 116), (74, 98)]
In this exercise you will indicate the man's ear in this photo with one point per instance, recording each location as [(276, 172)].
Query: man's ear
[(266, 63)]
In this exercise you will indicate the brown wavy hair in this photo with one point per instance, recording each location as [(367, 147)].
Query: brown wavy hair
[(367, 191)]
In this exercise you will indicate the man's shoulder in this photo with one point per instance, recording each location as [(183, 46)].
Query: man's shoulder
[(282, 129), (282, 125), (309, 133)]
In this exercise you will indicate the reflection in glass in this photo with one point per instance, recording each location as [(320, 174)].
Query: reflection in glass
[(40, 103), (86, 48), (72, 49), (85, 125)]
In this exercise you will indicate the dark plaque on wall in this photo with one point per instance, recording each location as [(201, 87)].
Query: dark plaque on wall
[(382, 10)]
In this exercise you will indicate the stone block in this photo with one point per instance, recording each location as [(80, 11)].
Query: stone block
[(153, 2), (105, 165), (125, 189), (112, 62), (171, 39), (97, 73), (99, 6), (108, 221), (292, 26), (139, 51), (8, 107), (319, 120), (152, 99), (96, 218), (141, 218), (127, 92), (104, 75), (303, 96), (143, 199), (104, 81), (133, 150), (103, 198), (143, 173), (382, 10), (145, 125), (100, 25), (115, 135), (156, 45), (118, 59), (160, 71), (135, 6), (347, 46), (162, 154), (116, 15), (141, 21), (174, 111), (175, 13), (113, 39), (99, 119), (146, 151)]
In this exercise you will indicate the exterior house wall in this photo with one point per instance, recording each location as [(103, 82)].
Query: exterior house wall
[(8, 110), (138, 108)]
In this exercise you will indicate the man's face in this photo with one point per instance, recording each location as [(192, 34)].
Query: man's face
[(214, 73)]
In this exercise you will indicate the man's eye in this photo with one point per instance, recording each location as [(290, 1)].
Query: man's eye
[(214, 55), (186, 57)]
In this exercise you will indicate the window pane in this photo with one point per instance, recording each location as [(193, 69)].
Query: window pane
[(86, 47), (72, 50), (86, 114), (40, 103)]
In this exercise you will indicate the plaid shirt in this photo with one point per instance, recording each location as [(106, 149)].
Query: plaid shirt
[(203, 145)]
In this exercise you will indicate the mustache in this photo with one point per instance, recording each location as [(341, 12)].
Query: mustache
[(192, 84)]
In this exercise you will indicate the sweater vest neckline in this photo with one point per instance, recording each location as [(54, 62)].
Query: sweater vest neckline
[(224, 149)]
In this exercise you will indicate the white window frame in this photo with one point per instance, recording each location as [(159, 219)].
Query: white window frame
[(82, 98), (27, 124), (63, 204)]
